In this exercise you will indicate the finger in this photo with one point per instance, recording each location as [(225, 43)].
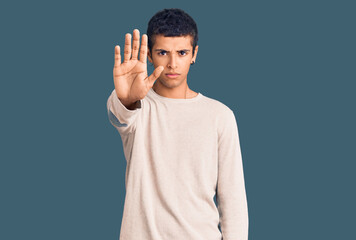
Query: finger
[(156, 73), (117, 56), (127, 49), (143, 50), (135, 44)]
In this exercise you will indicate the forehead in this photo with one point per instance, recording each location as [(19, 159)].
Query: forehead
[(173, 43)]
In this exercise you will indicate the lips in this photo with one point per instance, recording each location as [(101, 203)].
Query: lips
[(172, 75)]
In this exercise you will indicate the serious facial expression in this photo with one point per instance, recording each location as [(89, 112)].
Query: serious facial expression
[(175, 55)]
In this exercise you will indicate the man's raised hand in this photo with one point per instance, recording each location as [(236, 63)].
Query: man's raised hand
[(130, 77)]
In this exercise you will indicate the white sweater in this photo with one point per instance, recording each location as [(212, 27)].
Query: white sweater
[(179, 153)]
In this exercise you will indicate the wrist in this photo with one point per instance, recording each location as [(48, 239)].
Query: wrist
[(129, 104)]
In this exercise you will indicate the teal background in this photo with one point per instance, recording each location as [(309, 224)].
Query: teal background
[(286, 69)]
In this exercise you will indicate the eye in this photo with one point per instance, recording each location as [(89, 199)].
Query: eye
[(162, 53), (183, 53)]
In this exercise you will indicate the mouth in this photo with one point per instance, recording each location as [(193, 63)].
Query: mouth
[(172, 75)]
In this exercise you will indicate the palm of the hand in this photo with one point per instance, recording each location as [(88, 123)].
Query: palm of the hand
[(130, 76)]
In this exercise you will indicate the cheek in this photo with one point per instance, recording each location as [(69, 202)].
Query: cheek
[(186, 65), (160, 62), (183, 62)]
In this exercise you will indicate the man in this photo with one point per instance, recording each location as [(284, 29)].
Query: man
[(181, 147)]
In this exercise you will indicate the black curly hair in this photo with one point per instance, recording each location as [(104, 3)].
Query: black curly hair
[(172, 22)]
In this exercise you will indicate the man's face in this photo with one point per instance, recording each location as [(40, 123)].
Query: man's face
[(175, 55)]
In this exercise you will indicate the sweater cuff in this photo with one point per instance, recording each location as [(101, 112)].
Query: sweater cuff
[(120, 115)]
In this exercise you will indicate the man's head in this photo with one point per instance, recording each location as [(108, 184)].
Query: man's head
[(172, 43), (172, 22)]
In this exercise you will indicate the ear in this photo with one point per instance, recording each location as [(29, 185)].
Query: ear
[(149, 56), (195, 53)]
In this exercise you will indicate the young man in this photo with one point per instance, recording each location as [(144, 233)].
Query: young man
[(181, 147)]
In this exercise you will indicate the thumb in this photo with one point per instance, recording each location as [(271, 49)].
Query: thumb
[(156, 73)]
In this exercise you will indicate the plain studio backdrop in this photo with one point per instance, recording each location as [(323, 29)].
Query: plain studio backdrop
[(286, 69)]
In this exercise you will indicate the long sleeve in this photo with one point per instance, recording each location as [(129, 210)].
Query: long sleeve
[(231, 194), (123, 119)]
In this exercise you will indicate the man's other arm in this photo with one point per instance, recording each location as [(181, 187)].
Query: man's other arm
[(231, 194)]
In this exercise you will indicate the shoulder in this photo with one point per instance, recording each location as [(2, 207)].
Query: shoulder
[(224, 116), (220, 109)]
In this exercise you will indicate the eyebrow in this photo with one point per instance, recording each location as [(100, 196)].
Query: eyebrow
[(157, 50)]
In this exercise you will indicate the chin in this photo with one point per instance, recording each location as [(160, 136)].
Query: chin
[(170, 83)]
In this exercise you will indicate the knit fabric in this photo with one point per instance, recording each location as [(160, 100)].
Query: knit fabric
[(179, 154)]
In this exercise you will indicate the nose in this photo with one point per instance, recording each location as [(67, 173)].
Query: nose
[(172, 62)]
